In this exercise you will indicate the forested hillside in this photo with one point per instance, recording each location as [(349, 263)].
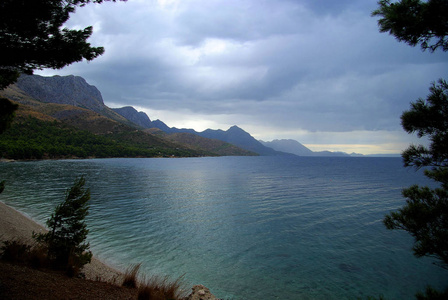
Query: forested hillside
[(32, 138), (59, 130)]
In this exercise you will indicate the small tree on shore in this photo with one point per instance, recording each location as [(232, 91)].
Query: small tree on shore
[(66, 238)]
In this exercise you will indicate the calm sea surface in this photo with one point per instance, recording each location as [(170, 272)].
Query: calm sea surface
[(246, 227)]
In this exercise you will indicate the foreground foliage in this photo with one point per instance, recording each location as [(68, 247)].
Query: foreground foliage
[(432, 294), (64, 246), (66, 238), (18, 251), (7, 113), (155, 288), (415, 22), (425, 215), (32, 37)]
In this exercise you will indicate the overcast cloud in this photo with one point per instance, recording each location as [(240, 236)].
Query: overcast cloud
[(315, 71)]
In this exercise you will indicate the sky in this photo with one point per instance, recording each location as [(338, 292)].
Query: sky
[(316, 71)]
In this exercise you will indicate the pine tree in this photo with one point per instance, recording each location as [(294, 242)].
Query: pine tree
[(32, 37), (66, 238), (415, 22), (425, 215)]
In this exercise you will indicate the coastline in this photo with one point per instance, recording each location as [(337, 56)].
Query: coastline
[(18, 226), (15, 225)]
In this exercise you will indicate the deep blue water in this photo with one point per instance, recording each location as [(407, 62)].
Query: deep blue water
[(246, 227)]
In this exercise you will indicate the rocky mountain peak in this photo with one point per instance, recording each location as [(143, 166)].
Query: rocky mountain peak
[(289, 146), (73, 90), (137, 117)]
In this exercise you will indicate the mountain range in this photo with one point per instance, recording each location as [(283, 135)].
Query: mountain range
[(72, 100), (234, 135)]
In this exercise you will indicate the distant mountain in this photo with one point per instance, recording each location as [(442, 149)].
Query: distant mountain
[(130, 113), (330, 153), (85, 109), (184, 136), (384, 155), (289, 146), (81, 107), (71, 90), (197, 142), (240, 138), (234, 135), (294, 147), (160, 125)]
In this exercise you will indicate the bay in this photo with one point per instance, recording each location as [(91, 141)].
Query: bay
[(246, 227)]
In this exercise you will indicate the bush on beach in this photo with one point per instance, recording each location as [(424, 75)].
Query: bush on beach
[(18, 251), (15, 251)]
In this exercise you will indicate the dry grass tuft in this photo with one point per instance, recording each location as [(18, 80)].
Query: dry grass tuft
[(155, 288), (130, 276), (160, 288)]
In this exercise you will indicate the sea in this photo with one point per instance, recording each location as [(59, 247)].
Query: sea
[(246, 227)]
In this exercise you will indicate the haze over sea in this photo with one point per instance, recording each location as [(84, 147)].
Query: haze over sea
[(246, 227)]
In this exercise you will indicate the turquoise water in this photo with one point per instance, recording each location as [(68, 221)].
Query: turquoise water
[(247, 227)]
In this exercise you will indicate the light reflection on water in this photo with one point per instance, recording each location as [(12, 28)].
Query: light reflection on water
[(247, 227)]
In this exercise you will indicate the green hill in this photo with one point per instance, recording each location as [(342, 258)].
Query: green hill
[(52, 130)]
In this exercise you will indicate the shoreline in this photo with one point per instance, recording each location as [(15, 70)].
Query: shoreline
[(15, 225)]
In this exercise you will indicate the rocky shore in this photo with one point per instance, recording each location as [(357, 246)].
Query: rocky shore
[(16, 226)]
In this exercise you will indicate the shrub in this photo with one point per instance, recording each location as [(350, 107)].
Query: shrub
[(15, 251), (432, 294), (20, 252)]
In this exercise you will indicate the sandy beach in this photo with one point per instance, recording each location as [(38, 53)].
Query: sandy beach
[(38, 285), (15, 225)]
